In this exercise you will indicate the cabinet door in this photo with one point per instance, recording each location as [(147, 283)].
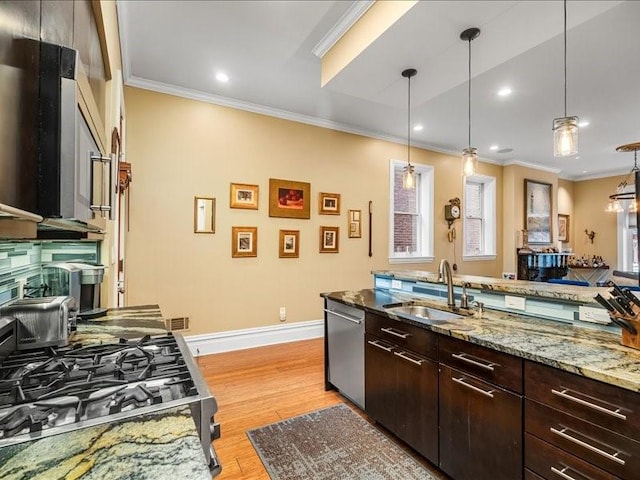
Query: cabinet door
[(417, 403), (379, 381), (480, 428)]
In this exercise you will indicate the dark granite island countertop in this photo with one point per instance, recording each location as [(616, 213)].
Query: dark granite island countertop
[(155, 446), (585, 351)]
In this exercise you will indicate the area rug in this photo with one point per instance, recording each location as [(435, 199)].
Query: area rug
[(332, 443)]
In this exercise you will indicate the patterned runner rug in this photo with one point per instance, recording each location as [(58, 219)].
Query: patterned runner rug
[(332, 443)]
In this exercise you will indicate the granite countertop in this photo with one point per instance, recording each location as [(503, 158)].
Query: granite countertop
[(159, 445), (585, 351), (127, 322), (515, 287)]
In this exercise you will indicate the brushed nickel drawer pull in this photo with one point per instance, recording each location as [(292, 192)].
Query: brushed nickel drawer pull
[(571, 398), (472, 387), (597, 450), (396, 333), (561, 473), (465, 358), (376, 344), (401, 355)]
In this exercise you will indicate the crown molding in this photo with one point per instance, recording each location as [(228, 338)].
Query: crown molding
[(343, 25), (197, 95), (595, 176), (532, 165)]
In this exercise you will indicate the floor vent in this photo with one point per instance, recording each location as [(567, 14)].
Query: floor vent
[(177, 324)]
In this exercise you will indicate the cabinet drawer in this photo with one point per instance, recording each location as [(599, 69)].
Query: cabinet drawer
[(408, 336), (598, 446), (611, 407), (529, 475), (495, 367), (551, 463)]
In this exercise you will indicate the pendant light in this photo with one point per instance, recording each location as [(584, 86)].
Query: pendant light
[(565, 129), (469, 154), (409, 174)]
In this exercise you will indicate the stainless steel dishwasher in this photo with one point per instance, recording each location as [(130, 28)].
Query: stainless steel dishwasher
[(344, 350)]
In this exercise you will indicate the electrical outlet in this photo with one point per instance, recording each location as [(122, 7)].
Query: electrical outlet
[(283, 314), (396, 284), (516, 303), (595, 315)]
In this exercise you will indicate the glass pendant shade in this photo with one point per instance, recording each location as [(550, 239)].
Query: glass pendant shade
[(469, 161), (409, 177), (565, 136)]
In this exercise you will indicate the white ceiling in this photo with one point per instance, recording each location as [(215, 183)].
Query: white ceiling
[(266, 49)]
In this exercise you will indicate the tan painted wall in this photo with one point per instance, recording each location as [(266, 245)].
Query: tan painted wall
[(590, 201), (180, 148), (513, 199)]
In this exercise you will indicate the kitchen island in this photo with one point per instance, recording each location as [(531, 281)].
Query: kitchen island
[(589, 352), (160, 445), (492, 394)]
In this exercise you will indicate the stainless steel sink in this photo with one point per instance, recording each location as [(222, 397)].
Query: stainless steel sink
[(422, 313)]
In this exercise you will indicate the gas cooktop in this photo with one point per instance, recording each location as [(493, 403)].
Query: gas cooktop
[(58, 389)]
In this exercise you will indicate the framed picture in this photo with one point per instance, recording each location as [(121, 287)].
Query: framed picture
[(329, 204), (244, 196), (289, 244), (354, 224), (204, 215), (329, 239), (289, 199), (563, 227), (537, 204), (244, 242)]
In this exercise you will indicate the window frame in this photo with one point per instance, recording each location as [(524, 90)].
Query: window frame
[(489, 218), (425, 215)]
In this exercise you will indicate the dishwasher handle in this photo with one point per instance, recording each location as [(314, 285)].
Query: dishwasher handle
[(343, 315)]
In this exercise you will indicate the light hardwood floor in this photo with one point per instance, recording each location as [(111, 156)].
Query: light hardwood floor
[(260, 386)]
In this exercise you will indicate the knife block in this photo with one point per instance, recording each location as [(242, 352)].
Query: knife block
[(630, 340)]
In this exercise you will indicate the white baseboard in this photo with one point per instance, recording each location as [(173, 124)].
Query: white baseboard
[(253, 337)]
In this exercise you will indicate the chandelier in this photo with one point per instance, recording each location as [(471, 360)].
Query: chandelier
[(619, 199)]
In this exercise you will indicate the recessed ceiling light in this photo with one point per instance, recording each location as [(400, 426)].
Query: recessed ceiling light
[(503, 92), (578, 157), (585, 171), (417, 128), (222, 77), (583, 123), (493, 147)]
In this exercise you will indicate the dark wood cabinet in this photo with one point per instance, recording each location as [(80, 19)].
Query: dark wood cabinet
[(553, 463), (401, 393), (590, 428), (480, 428), (379, 381)]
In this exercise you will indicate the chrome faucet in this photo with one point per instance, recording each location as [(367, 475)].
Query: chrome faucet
[(446, 268)]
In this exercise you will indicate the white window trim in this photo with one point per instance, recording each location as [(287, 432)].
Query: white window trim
[(426, 206), (625, 237), (491, 223)]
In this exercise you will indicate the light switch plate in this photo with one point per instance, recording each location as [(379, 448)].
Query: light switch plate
[(396, 284), (516, 303), (591, 314)]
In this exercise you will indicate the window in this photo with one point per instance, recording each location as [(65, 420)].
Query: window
[(627, 242), (411, 216), (479, 218)]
